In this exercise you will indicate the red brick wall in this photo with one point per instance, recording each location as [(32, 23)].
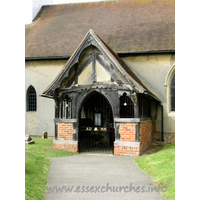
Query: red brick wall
[(65, 130), (66, 147), (126, 151), (145, 134), (127, 132)]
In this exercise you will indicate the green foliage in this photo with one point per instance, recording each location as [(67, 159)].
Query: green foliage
[(44, 147), (160, 166), (36, 173), (37, 166)]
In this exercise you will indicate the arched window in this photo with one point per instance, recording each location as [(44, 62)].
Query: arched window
[(126, 107), (173, 93), (65, 111), (170, 84), (31, 99)]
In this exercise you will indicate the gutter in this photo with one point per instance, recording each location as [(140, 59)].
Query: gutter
[(145, 52), (147, 93), (47, 58), (119, 54)]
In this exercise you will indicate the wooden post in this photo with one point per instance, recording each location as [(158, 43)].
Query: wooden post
[(94, 75), (136, 132), (134, 98)]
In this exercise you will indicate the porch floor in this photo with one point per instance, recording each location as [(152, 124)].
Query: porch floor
[(102, 150)]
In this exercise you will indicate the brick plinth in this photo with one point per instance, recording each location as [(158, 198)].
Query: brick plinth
[(126, 151), (64, 142), (145, 135), (127, 132), (65, 130), (67, 147), (127, 146)]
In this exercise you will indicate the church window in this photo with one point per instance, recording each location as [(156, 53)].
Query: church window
[(31, 99)]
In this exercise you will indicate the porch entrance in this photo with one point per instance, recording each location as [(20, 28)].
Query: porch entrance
[(96, 132)]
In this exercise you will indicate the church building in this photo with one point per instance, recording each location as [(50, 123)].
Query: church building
[(100, 76)]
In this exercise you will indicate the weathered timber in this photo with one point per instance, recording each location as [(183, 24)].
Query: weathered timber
[(109, 70)]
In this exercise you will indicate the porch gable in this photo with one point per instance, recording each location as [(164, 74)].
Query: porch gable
[(93, 61)]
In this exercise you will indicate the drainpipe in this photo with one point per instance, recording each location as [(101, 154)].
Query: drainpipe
[(162, 135)]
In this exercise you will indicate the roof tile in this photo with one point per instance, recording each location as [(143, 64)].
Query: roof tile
[(125, 25)]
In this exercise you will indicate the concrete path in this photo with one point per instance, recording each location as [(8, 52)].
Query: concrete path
[(98, 177)]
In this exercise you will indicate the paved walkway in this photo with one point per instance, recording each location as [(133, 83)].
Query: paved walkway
[(95, 176)]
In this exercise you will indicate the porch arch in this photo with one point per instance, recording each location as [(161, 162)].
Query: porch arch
[(96, 124), (111, 96)]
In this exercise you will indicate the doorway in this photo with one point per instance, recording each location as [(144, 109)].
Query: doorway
[(96, 131)]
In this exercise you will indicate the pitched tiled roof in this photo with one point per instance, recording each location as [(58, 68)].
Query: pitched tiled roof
[(125, 25)]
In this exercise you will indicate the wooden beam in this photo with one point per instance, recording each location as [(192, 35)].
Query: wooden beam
[(109, 70), (134, 98), (136, 132), (96, 86), (78, 72), (94, 74)]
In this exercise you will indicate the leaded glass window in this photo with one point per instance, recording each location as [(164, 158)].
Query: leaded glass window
[(173, 93), (31, 99)]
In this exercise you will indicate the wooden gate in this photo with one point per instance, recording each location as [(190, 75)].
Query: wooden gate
[(96, 132)]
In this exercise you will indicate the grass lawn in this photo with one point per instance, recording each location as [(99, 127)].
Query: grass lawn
[(37, 166), (160, 166)]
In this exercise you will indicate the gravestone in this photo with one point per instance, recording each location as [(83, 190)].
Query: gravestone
[(28, 140), (45, 135)]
